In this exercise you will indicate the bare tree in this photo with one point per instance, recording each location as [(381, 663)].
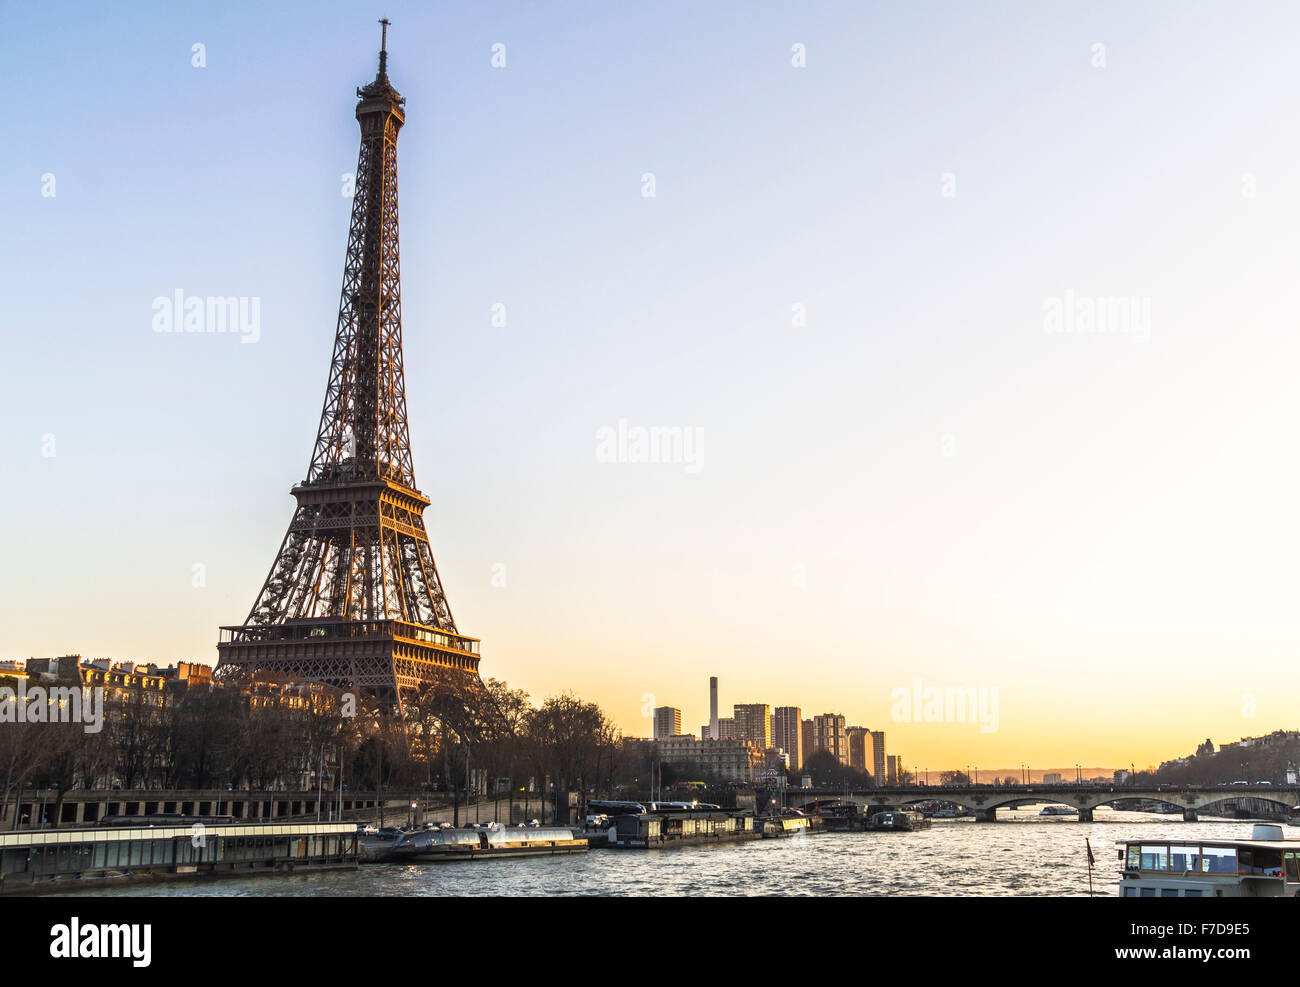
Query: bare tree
[(567, 736), (22, 754)]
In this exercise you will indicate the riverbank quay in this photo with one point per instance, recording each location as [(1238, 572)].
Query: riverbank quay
[(35, 809), (79, 859), (44, 810)]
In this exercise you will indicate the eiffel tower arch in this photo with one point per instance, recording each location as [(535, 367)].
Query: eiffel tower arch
[(353, 598)]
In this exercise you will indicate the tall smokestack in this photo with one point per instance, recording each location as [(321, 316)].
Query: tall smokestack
[(713, 707)]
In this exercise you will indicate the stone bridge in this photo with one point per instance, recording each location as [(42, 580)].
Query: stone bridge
[(985, 800)]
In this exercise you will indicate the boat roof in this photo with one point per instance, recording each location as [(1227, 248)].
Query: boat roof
[(1290, 842)]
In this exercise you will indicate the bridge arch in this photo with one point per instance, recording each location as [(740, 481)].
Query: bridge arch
[(985, 800), (1285, 805)]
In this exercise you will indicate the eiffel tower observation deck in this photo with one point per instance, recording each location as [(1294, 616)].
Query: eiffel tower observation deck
[(353, 598)]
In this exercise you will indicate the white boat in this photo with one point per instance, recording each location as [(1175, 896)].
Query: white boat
[(1058, 810), (482, 842), (1265, 866)]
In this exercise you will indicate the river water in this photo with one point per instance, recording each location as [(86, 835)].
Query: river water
[(1022, 853)]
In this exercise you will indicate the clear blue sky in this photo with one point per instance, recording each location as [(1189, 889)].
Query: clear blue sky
[(973, 500)]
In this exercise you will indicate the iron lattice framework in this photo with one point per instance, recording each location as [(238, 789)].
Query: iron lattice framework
[(353, 598)]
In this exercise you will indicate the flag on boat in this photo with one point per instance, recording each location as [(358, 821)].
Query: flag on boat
[(1091, 859)]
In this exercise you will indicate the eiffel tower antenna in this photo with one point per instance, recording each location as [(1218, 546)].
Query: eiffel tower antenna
[(353, 598)]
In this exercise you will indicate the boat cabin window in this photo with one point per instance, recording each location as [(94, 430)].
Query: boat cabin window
[(1181, 858), (1260, 860), (1293, 865), (1155, 856), (1219, 860)]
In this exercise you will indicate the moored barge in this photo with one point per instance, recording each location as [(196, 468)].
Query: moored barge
[(842, 817), (78, 859), (658, 830), (898, 821), (776, 827)]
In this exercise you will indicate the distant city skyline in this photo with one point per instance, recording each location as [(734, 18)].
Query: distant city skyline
[(964, 337), (876, 756)]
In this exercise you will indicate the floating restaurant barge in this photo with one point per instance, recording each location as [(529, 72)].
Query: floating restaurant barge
[(658, 830), (77, 859), (450, 845)]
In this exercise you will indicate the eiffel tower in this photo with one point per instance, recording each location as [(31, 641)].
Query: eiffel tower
[(353, 598)]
